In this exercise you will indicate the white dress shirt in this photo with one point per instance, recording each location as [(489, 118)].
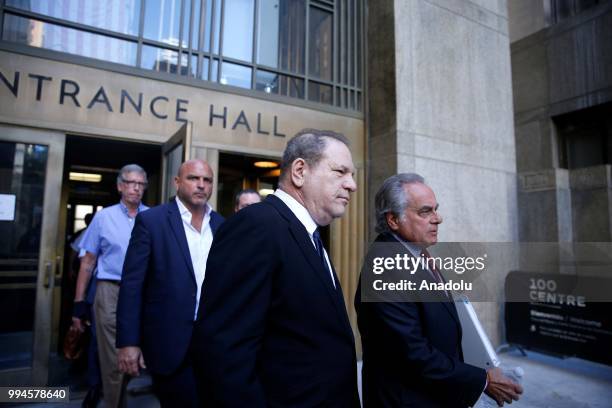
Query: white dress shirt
[(303, 215), (199, 243)]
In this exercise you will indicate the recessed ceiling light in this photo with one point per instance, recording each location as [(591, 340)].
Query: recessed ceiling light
[(265, 164), (87, 177)]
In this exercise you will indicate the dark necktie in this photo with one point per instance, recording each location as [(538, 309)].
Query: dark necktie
[(319, 246), (431, 264)]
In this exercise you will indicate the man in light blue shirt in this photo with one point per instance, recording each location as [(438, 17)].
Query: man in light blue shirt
[(105, 243)]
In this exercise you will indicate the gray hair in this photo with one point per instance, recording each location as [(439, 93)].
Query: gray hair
[(391, 197), (309, 145), (130, 168)]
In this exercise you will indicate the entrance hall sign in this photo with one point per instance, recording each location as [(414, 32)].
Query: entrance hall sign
[(160, 107)]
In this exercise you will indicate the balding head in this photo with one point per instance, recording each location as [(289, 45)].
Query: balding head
[(192, 162), (194, 184)]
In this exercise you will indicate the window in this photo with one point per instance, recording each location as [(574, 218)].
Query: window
[(564, 9), (585, 137), (303, 49)]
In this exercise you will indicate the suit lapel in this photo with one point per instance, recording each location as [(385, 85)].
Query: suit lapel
[(340, 299), (448, 304), (176, 225), (444, 300), (302, 239), (215, 221)]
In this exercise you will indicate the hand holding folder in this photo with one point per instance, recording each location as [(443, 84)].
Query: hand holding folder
[(478, 351)]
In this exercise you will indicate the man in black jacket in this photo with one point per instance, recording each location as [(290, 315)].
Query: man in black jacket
[(412, 346), (272, 327)]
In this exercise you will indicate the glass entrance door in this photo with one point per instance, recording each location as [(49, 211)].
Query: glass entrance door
[(174, 152), (31, 165)]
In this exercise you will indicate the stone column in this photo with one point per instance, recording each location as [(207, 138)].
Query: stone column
[(440, 104)]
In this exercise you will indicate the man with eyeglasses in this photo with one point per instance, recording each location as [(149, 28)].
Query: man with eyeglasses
[(163, 273), (412, 341), (105, 244)]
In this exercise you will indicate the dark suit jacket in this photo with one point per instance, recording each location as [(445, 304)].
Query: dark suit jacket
[(157, 298), (272, 331), (412, 349)]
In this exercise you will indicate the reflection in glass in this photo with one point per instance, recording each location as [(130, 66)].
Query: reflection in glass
[(214, 72), (205, 63), (217, 26), (163, 60), (320, 47), (44, 35), (235, 75), (190, 65), (161, 22), (320, 93), (195, 32), (22, 176), (267, 82), (115, 15), (207, 25), (273, 83), (238, 29), (281, 36)]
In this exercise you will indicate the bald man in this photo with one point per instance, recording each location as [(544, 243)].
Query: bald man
[(162, 276)]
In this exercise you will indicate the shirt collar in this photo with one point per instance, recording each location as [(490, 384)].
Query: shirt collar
[(184, 211), (415, 250), (141, 207), (298, 210)]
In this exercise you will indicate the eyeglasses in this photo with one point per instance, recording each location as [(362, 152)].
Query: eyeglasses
[(134, 183), (426, 212)]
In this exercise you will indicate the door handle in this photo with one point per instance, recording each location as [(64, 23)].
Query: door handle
[(58, 267), (48, 272)]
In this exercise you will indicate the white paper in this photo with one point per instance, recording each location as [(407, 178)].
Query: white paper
[(7, 207)]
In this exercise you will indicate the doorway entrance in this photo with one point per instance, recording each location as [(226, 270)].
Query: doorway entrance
[(49, 182), (243, 171), (239, 172), (90, 169)]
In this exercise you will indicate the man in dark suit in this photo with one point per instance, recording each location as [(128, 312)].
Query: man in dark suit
[(412, 345), (162, 276), (272, 329)]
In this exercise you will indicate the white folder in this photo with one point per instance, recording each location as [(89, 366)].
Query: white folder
[(477, 348)]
